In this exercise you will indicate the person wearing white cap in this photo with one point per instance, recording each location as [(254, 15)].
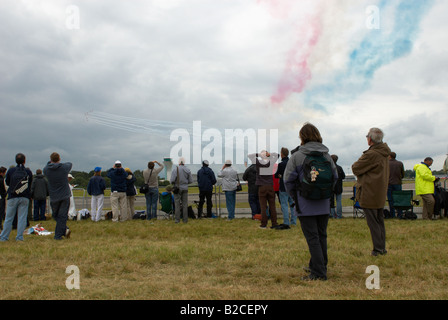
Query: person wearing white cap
[(229, 184), (118, 188)]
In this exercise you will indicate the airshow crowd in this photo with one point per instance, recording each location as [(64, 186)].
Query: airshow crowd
[(378, 173)]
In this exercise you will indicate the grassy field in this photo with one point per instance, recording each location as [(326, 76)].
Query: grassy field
[(215, 259)]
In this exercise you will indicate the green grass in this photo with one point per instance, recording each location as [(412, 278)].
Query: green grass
[(218, 259)]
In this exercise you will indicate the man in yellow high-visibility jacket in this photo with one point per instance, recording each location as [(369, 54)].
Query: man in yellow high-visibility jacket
[(424, 186)]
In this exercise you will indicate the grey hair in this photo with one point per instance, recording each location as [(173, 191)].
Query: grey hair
[(376, 135)]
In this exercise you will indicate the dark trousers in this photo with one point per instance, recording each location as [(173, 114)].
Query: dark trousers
[(39, 210), (203, 196), (60, 215), (375, 221), (266, 195), (314, 229), (254, 203)]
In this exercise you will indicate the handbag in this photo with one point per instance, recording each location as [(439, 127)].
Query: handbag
[(176, 187), (239, 187), (145, 188)]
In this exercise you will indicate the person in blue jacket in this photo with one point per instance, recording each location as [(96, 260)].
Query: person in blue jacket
[(206, 181), (118, 187), (95, 188)]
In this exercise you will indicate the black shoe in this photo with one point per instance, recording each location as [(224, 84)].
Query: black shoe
[(377, 253), (313, 278)]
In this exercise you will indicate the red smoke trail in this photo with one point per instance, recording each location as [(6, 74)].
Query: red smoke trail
[(296, 73)]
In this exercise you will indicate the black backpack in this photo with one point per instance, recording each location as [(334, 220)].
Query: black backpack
[(20, 180), (318, 179)]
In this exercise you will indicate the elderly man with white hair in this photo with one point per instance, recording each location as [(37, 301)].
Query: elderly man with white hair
[(372, 172), (181, 177)]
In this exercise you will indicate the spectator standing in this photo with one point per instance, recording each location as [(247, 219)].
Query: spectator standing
[(131, 192), (265, 180), (206, 181), (3, 194), (60, 193), (39, 193), (286, 202), (150, 176), (313, 213), (229, 184), (396, 175), (372, 171), (424, 186), (118, 187), (336, 209), (72, 210), (181, 177), (95, 188), (250, 175), (19, 180)]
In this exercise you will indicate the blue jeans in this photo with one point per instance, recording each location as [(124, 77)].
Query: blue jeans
[(230, 203), (393, 187), (152, 197), (285, 203), (337, 212), (254, 203), (19, 205)]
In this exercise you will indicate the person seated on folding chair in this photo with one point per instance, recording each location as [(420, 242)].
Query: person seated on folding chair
[(166, 200)]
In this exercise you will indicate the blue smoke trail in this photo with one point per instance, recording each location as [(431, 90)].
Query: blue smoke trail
[(376, 50)]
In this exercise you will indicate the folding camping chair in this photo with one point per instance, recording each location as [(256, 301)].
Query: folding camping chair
[(167, 205), (357, 210), (403, 200)]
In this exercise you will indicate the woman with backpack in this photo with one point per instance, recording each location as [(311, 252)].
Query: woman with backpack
[(309, 177)]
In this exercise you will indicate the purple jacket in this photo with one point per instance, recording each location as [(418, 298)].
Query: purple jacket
[(294, 171)]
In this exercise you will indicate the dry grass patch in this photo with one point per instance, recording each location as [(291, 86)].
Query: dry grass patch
[(217, 259)]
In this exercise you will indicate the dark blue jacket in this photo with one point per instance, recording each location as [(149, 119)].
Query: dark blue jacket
[(130, 185), (57, 176), (206, 179), (117, 179), (12, 182), (96, 186)]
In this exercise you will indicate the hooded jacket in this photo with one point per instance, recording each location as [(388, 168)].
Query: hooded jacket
[(57, 176), (372, 171), (424, 179), (206, 179), (294, 172), (39, 188), (117, 179)]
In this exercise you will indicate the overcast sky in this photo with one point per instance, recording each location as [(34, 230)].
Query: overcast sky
[(105, 80)]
